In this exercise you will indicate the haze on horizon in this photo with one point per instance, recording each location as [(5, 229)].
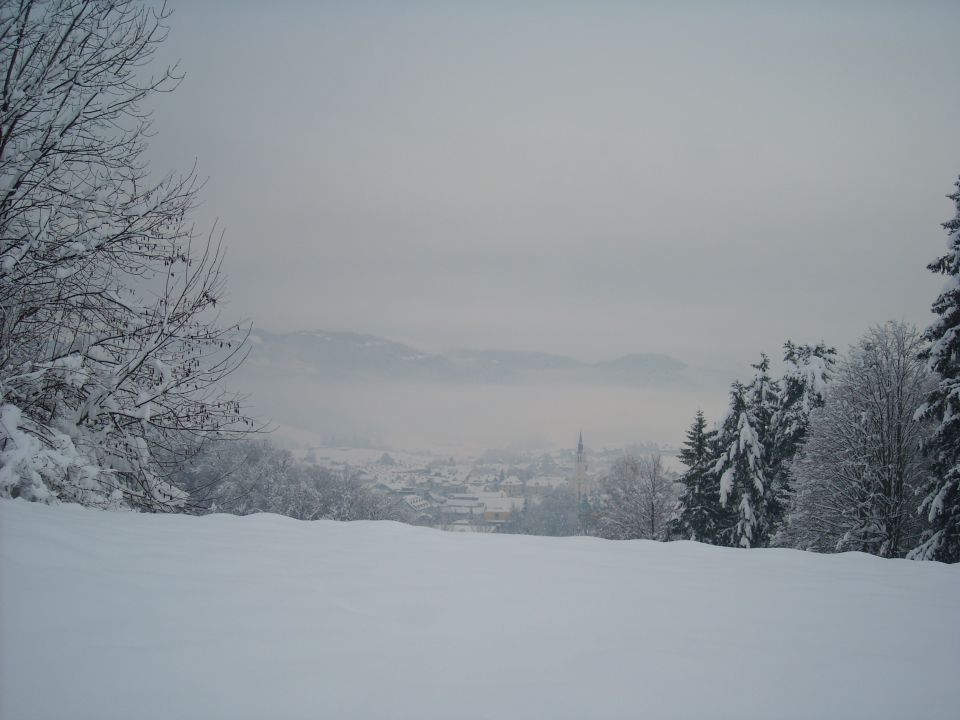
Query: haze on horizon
[(695, 179)]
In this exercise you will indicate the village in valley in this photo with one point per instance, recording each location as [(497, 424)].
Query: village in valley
[(487, 491)]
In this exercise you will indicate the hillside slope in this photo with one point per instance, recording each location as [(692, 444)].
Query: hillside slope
[(118, 615)]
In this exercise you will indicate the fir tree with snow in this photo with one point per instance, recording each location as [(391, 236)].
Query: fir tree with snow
[(763, 396), (807, 369), (698, 513), (768, 421), (743, 474), (942, 502)]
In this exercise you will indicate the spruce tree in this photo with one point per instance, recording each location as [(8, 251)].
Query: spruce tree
[(763, 398), (942, 502), (749, 456), (743, 474), (807, 368), (698, 509)]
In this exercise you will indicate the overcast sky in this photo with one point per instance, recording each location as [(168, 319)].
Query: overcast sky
[(704, 180)]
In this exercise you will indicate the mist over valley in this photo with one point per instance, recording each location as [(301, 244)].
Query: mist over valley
[(343, 388)]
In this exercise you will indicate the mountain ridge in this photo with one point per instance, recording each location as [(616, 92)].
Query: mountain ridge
[(351, 354)]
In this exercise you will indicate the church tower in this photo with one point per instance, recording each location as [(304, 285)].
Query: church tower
[(580, 476)]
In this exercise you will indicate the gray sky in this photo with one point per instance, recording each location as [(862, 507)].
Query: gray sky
[(703, 180)]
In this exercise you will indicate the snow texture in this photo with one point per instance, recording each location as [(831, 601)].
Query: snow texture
[(125, 615)]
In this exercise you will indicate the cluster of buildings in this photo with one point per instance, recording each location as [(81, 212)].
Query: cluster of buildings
[(457, 497), (478, 495)]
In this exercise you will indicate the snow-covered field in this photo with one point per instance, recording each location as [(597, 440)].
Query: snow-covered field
[(118, 615)]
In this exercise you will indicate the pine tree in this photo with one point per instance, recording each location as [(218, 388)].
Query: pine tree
[(942, 502), (764, 429), (763, 396), (807, 369), (698, 510), (743, 474)]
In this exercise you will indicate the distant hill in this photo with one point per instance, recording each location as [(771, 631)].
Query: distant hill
[(643, 366), (359, 356), (348, 354)]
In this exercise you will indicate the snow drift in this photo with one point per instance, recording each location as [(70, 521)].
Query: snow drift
[(123, 615)]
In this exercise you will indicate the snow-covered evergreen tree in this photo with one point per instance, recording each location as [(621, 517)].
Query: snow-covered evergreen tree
[(763, 397), (742, 470), (942, 502), (807, 369), (697, 515), (751, 452)]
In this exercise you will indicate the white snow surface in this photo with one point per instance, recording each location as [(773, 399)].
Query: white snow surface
[(122, 615)]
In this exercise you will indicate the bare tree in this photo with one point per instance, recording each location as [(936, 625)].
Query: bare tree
[(858, 478), (111, 352), (243, 477), (551, 511), (638, 499)]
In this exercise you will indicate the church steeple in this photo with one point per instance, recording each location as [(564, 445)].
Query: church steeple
[(580, 482), (580, 471)]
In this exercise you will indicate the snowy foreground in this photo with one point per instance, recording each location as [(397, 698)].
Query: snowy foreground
[(118, 615)]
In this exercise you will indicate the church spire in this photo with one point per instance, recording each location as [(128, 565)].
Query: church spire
[(581, 461), (579, 480)]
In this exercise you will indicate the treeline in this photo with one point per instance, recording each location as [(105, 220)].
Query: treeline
[(854, 452), (857, 453), (828, 457), (248, 476), (739, 479)]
